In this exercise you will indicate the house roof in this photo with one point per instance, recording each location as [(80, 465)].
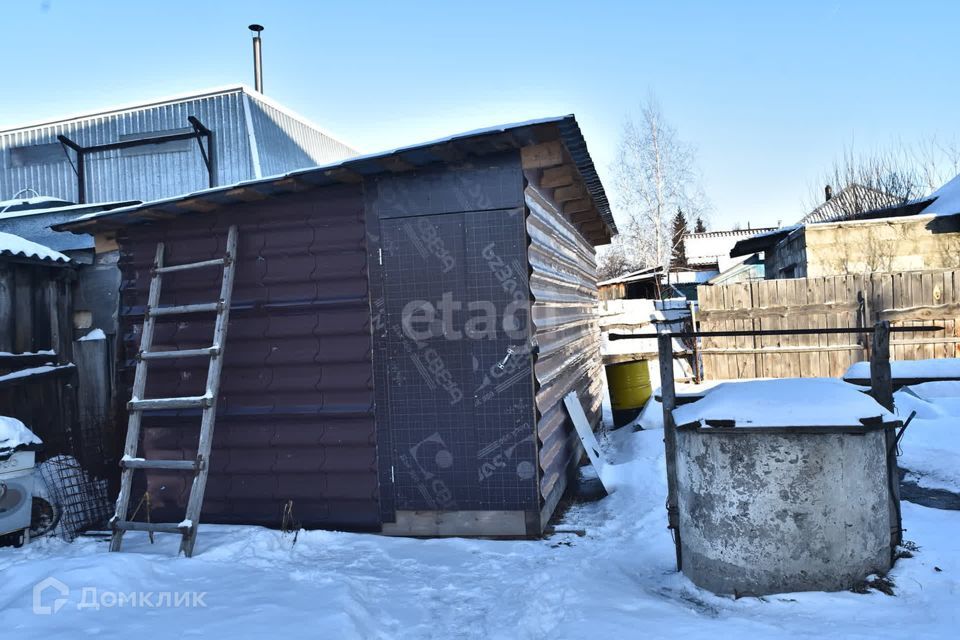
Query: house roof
[(850, 202), (12, 246), (253, 137), (166, 100), (945, 201), (351, 170)]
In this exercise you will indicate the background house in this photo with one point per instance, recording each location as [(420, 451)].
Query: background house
[(912, 236)]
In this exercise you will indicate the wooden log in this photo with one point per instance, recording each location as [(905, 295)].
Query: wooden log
[(881, 384), (542, 156), (557, 177)]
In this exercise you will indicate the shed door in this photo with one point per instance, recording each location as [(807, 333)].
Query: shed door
[(459, 379)]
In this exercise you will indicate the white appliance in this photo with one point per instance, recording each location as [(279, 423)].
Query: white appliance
[(16, 492)]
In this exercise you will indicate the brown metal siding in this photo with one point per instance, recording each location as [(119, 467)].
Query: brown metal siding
[(296, 410), (563, 283)]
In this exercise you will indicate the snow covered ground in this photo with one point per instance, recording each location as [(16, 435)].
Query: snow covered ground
[(617, 581), (931, 443)]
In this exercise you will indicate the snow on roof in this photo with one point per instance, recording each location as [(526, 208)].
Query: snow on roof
[(910, 369), (946, 199), (66, 207), (800, 402), (18, 205), (14, 434), (15, 246)]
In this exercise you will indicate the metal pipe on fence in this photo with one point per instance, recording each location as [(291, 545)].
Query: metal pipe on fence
[(771, 332)]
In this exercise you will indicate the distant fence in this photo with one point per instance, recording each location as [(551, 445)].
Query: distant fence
[(904, 298)]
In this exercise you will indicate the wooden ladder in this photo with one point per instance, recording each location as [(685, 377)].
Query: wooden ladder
[(208, 401)]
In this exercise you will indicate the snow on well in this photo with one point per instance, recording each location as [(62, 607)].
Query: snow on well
[(14, 434), (96, 334), (933, 368), (17, 246), (799, 402)]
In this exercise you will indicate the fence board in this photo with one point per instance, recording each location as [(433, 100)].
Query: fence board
[(904, 298)]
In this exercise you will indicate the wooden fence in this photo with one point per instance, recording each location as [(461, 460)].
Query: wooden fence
[(904, 298)]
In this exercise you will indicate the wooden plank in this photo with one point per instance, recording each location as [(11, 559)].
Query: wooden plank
[(23, 310), (577, 206), (585, 432), (457, 523), (543, 155), (783, 311), (105, 242), (557, 177), (7, 305)]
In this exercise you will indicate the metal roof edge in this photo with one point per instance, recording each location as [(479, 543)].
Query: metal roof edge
[(564, 127), (129, 107), (290, 113)]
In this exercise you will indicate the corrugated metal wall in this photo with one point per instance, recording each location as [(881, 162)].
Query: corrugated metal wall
[(563, 283), (114, 175), (149, 173), (285, 143), (296, 415)]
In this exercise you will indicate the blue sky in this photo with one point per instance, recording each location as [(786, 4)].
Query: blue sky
[(768, 92)]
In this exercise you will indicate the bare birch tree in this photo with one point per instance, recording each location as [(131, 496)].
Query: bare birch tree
[(897, 173), (655, 175)]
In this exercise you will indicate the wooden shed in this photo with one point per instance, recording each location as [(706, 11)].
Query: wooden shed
[(403, 330)]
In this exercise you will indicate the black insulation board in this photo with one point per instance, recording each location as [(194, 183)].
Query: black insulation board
[(456, 392)]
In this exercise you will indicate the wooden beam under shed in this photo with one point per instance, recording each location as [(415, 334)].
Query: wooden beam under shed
[(245, 194), (557, 177), (196, 204), (341, 174), (396, 164), (573, 192), (543, 155), (576, 206)]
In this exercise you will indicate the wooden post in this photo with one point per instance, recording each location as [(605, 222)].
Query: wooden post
[(668, 394), (881, 388), (881, 384), (691, 305)]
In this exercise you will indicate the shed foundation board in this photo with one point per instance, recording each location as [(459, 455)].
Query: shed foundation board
[(507, 524)]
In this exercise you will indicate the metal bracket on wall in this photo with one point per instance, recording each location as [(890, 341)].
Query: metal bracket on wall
[(199, 131)]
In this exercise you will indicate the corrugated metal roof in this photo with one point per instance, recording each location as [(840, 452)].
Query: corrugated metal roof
[(851, 201), (473, 143), (35, 224), (12, 246), (31, 156)]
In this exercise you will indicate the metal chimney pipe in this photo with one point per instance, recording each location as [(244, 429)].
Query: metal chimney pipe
[(257, 60)]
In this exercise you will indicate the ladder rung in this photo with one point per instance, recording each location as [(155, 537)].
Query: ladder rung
[(155, 527), (184, 353), (172, 465), (190, 265), (189, 402), (184, 308)]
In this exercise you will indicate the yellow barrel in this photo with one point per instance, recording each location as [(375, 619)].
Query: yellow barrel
[(630, 388)]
